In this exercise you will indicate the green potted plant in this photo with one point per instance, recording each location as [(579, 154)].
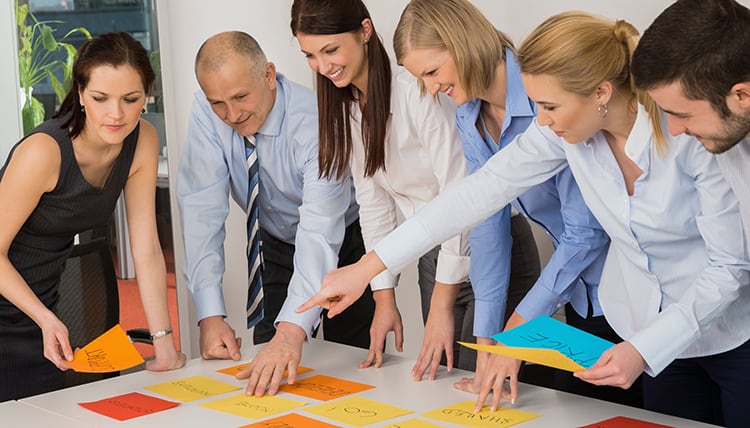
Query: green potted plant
[(42, 56)]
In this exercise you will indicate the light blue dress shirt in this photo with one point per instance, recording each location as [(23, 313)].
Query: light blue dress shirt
[(675, 282), (573, 271), (296, 206)]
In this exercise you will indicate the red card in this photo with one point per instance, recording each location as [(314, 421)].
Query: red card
[(129, 406), (623, 422)]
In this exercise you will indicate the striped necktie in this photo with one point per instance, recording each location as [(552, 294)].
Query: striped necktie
[(254, 257)]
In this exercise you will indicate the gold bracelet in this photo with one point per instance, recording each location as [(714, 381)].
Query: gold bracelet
[(161, 333)]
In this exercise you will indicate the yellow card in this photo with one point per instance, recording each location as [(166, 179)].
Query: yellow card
[(110, 352), (547, 357), (236, 369), (357, 411), (412, 423), (324, 388), (192, 388), (253, 407), (463, 414), (291, 420)]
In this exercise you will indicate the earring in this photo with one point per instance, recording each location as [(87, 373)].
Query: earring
[(143, 110), (602, 109), (83, 109)]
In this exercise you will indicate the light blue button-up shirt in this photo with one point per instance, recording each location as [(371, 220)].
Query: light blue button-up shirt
[(675, 283), (573, 271), (296, 206)]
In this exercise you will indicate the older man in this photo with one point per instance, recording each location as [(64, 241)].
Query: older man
[(253, 134)]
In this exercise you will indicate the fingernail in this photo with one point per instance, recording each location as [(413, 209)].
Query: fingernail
[(512, 401)]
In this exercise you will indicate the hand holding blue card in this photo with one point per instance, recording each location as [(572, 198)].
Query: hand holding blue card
[(547, 341)]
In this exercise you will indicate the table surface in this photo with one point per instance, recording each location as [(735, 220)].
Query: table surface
[(393, 385)]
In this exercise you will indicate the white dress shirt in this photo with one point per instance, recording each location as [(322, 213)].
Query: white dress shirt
[(423, 154), (674, 242), (735, 164)]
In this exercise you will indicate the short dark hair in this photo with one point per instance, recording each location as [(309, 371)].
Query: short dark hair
[(113, 49), (702, 44)]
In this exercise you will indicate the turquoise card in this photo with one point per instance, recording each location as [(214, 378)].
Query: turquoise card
[(550, 334)]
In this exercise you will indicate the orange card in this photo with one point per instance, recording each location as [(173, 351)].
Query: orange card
[(129, 406), (292, 420), (324, 388), (236, 369), (623, 422), (110, 352)]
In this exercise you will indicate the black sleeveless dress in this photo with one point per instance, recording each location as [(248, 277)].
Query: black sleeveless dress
[(39, 251)]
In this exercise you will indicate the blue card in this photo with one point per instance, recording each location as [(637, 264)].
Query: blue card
[(547, 333)]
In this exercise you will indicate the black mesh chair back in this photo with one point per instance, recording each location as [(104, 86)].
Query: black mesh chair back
[(89, 301)]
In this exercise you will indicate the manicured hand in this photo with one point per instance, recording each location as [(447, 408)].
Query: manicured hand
[(343, 286), (387, 318), (438, 339), (619, 366)]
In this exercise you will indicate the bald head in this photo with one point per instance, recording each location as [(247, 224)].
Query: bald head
[(220, 48)]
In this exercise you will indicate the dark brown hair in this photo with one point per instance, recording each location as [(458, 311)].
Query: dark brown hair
[(702, 44), (335, 140), (113, 49)]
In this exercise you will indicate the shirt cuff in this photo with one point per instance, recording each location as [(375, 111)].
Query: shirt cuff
[(657, 352), (209, 301), (452, 269), (539, 301), (383, 280), (488, 320), (307, 320)]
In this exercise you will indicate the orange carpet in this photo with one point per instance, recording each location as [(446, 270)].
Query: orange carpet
[(131, 310)]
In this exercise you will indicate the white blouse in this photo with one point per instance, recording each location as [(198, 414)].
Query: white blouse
[(423, 155)]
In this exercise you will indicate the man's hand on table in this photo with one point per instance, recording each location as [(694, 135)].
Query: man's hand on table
[(266, 371), (218, 340)]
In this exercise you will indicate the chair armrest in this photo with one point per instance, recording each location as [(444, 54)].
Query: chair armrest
[(140, 335)]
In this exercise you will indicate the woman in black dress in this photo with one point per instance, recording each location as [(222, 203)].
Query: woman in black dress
[(64, 178)]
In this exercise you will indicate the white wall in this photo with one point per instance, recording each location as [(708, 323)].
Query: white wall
[(10, 116)]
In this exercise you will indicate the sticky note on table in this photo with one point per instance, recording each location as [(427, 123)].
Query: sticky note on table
[(128, 406), (547, 341), (357, 411), (253, 407), (192, 388), (324, 388), (292, 420), (110, 352), (236, 369), (463, 414), (412, 423), (623, 422)]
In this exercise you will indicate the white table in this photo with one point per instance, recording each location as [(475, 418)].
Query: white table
[(18, 414), (392, 381)]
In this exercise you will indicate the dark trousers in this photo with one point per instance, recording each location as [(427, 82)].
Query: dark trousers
[(711, 389), (351, 327)]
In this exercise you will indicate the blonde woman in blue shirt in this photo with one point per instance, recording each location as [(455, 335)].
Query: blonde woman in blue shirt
[(451, 46), (677, 243), (402, 149)]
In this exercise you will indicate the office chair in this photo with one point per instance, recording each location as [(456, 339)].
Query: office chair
[(89, 302)]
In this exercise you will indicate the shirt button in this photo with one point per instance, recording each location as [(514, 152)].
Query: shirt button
[(635, 244)]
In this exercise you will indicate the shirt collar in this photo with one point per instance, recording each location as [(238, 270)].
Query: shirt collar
[(517, 103), (272, 125), (640, 136)]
